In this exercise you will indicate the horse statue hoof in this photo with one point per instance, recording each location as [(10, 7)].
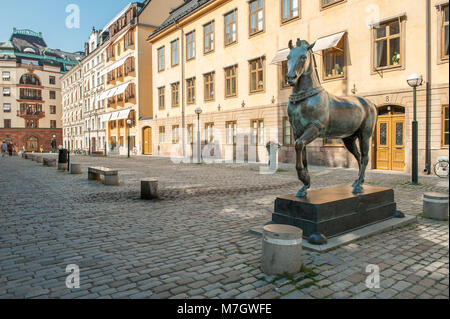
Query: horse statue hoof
[(357, 189), (301, 193)]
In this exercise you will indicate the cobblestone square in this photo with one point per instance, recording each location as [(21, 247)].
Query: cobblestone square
[(195, 241)]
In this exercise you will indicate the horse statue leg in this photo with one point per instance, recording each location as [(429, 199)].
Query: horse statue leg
[(350, 145), (301, 159), (364, 145)]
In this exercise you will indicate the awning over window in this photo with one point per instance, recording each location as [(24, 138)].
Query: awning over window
[(123, 114), (114, 91), (114, 116), (117, 64), (281, 56), (328, 42), (105, 117)]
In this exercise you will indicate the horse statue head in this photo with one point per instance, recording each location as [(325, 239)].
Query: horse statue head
[(299, 61)]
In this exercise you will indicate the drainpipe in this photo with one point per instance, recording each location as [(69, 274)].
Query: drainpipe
[(428, 91), (183, 113)]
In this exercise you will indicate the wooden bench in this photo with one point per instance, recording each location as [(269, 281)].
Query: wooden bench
[(111, 175)]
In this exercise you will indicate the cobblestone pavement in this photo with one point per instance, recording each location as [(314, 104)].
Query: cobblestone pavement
[(195, 242)]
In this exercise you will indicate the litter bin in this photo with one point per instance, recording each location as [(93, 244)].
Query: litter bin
[(62, 159)]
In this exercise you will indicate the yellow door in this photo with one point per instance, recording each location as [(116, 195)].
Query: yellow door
[(398, 143), (384, 143), (148, 141), (390, 150)]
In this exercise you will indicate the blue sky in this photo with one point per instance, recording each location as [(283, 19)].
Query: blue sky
[(49, 17)]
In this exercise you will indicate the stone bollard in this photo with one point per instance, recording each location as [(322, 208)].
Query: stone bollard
[(75, 169), (281, 249), (51, 162), (149, 188), (39, 159), (435, 206), (62, 166)]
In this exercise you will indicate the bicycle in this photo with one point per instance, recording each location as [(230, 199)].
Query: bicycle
[(441, 167)]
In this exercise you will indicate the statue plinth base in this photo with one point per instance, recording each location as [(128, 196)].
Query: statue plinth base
[(335, 210)]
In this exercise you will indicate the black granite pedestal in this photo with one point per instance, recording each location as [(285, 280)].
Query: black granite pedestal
[(334, 210)]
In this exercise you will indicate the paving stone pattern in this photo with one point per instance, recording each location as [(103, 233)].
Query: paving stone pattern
[(194, 242)]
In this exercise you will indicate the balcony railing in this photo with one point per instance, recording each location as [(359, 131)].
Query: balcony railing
[(27, 113), (31, 98)]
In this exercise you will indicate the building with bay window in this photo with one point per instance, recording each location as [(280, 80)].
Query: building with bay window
[(30, 90)]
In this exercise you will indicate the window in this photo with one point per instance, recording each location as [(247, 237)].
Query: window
[(231, 132), (31, 123), (161, 59), (444, 32), (256, 16), (209, 86), (333, 61), (162, 133), (257, 127), (6, 76), (387, 46), (190, 88), (289, 10), (52, 124), (52, 95), (52, 80), (129, 39), (284, 71), (113, 125), (256, 75), (175, 94), (6, 92), (230, 27), (161, 98), (190, 45), (209, 132), (208, 31), (7, 123), (445, 126), (332, 142), (7, 107), (175, 134), (326, 3), (231, 81), (190, 133), (287, 132), (52, 109), (175, 52)]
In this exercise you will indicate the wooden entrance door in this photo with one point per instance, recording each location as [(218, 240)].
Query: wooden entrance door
[(147, 141), (390, 138), (32, 144)]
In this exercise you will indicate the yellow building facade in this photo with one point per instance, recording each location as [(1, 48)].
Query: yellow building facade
[(233, 63)]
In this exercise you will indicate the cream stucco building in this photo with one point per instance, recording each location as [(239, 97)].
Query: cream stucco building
[(228, 58)]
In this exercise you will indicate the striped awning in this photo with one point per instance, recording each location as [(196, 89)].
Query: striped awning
[(328, 42)]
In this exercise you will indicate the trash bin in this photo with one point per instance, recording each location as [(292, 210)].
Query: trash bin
[(62, 159)]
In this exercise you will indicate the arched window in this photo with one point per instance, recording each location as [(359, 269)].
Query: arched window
[(30, 79)]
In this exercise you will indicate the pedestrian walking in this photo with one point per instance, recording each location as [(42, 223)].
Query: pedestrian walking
[(10, 148), (4, 147)]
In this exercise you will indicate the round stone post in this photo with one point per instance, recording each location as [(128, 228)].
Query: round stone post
[(75, 169), (281, 249), (435, 206)]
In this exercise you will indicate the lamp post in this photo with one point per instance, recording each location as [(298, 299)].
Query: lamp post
[(198, 111), (129, 124), (415, 80)]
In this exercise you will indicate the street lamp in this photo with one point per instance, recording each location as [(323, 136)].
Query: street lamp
[(198, 111), (415, 80), (129, 124)]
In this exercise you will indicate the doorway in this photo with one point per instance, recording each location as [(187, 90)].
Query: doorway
[(32, 144), (390, 138), (147, 141)]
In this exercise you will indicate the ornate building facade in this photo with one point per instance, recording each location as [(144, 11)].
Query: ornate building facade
[(30, 84)]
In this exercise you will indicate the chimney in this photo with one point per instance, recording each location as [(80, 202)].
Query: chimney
[(86, 49)]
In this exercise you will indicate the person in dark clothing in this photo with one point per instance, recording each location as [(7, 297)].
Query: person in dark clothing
[(10, 149)]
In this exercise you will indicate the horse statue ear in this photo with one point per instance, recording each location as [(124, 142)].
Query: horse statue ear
[(311, 46), (290, 45), (299, 42)]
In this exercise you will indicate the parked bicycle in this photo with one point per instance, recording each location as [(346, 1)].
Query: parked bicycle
[(441, 167)]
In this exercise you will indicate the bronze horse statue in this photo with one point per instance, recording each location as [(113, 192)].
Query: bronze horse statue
[(315, 113)]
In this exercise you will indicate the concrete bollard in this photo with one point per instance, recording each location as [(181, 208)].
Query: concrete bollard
[(75, 169), (281, 249), (149, 188), (435, 206), (111, 180), (62, 166)]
